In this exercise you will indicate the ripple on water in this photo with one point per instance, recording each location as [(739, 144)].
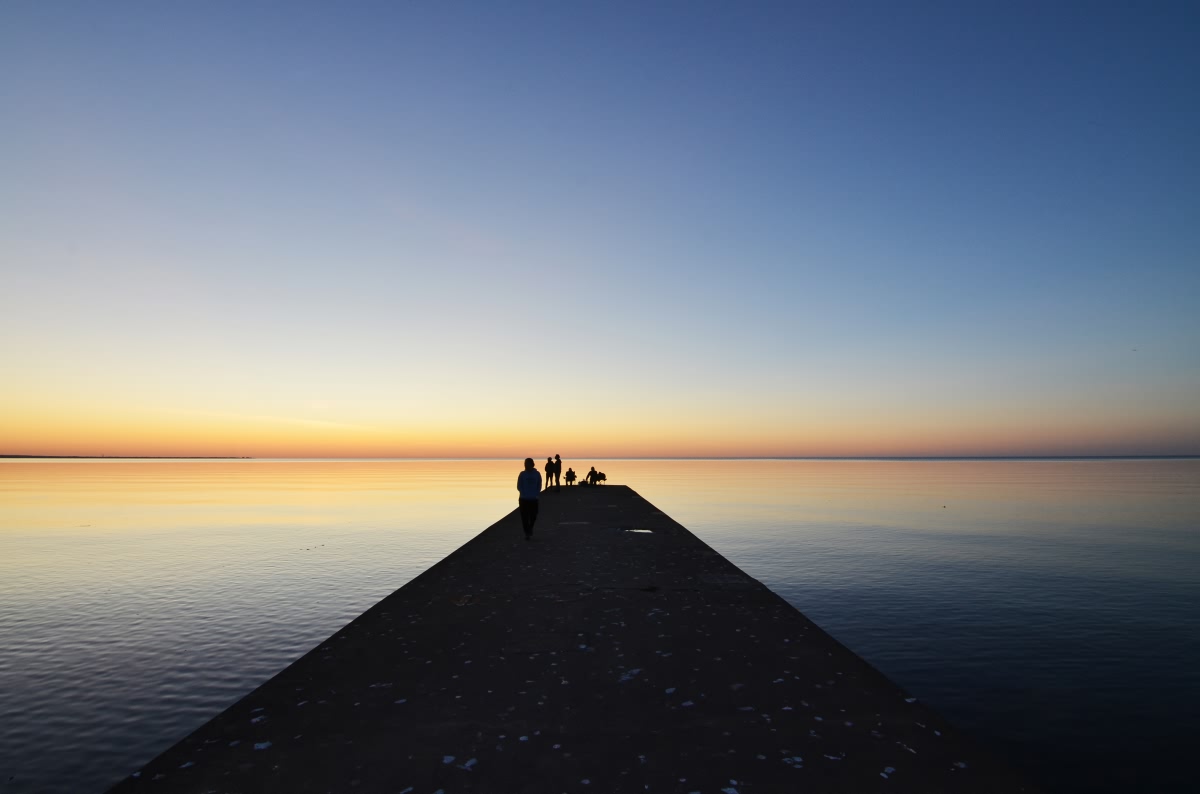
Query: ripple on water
[(1046, 607)]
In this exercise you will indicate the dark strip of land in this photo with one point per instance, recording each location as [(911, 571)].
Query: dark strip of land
[(616, 652)]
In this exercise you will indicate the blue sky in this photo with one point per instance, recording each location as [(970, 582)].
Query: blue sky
[(948, 227)]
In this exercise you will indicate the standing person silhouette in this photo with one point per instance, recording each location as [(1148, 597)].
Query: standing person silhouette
[(549, 472), (529, 485), (557, 472)]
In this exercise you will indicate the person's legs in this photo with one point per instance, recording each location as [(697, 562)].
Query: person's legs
[(525, 522), (529, 513)]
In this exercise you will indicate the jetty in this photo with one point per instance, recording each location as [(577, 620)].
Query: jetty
[(615, 652)]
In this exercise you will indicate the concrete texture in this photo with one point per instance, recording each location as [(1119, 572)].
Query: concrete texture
[(596, 658)]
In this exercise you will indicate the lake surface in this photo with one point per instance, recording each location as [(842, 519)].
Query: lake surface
[(1050, 608)]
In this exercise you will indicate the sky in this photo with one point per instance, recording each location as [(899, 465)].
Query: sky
[(448, 229)]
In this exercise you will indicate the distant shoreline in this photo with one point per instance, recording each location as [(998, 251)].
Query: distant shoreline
[(129, 457), (587, 457)]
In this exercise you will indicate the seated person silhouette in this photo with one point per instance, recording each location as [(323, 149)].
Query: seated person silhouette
[(569, 476)]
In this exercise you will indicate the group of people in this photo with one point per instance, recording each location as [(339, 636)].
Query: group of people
[(529, 486), (554, 471), (554, 474)]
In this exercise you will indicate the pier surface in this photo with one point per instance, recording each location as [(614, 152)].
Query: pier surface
[(617, 652)]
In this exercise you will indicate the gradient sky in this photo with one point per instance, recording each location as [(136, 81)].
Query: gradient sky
[(443, 229)]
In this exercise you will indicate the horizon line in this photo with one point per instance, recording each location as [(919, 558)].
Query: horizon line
[(616, 457)]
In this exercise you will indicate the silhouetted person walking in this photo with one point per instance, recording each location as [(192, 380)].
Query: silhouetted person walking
[(529, 485), (557, 472)]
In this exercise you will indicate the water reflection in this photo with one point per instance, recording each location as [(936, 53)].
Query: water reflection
[(1035, 602)]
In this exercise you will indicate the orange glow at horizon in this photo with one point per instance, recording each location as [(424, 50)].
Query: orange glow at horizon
[(127, 434)]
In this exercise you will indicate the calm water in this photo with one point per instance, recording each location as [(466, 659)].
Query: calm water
[(1051, 608)]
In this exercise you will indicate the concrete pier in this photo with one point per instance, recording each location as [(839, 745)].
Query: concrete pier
[(616, 652)]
